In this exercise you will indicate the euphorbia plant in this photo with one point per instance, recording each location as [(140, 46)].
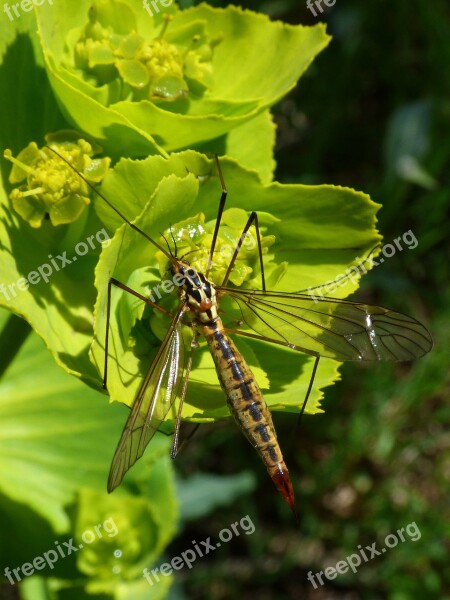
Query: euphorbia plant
[(145, 86), (299, 224), (204, 79)]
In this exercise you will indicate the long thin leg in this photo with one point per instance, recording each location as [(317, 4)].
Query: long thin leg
[(311, 382), (305, 401), (298, 348), (313, 373), (125, 288), (252, 218), (222, 201), (176, 435), (121, 215), (187, 439)]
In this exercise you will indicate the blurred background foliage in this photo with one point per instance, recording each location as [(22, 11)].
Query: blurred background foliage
[(372, 113)]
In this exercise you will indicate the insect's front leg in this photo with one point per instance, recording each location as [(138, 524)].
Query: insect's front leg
[(223, 199), (253, 218), (129, 290)]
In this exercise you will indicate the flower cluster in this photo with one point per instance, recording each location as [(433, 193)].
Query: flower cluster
[(155, 69), (50, 188), (193, 237)]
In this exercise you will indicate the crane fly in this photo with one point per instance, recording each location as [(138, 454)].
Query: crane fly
[(326, 327)]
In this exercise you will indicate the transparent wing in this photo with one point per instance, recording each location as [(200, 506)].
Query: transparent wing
[(160, 387), (330, 327)]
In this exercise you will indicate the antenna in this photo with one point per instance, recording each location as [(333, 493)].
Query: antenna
[(173, 240), (167, 243), (117, 211)]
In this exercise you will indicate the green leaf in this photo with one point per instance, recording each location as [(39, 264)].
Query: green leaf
[(251, 144), (47, 278), (52, 435), (133, 535), (407, 142), (56, 436), (23, 26), (141, 590), (59, 310), (320, 231), (200, 494), (29, 96), (35, 588), (255, 62)]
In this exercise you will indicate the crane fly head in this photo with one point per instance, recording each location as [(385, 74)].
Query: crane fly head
[(197, 290)]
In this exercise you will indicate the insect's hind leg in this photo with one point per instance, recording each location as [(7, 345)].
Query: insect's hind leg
[(127, 289)]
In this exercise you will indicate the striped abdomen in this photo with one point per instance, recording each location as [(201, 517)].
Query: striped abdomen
[(247, 405)]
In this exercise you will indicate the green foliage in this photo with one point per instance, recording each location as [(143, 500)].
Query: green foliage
[(104, 107), (175, 189), (201, 494), (55, 440), (376, 459), (52, 191), (141, 87)]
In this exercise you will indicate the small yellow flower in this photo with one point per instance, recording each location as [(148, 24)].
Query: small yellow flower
[(50, 188)]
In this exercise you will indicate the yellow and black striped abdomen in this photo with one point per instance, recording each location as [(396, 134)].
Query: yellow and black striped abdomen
[(247, 404)]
